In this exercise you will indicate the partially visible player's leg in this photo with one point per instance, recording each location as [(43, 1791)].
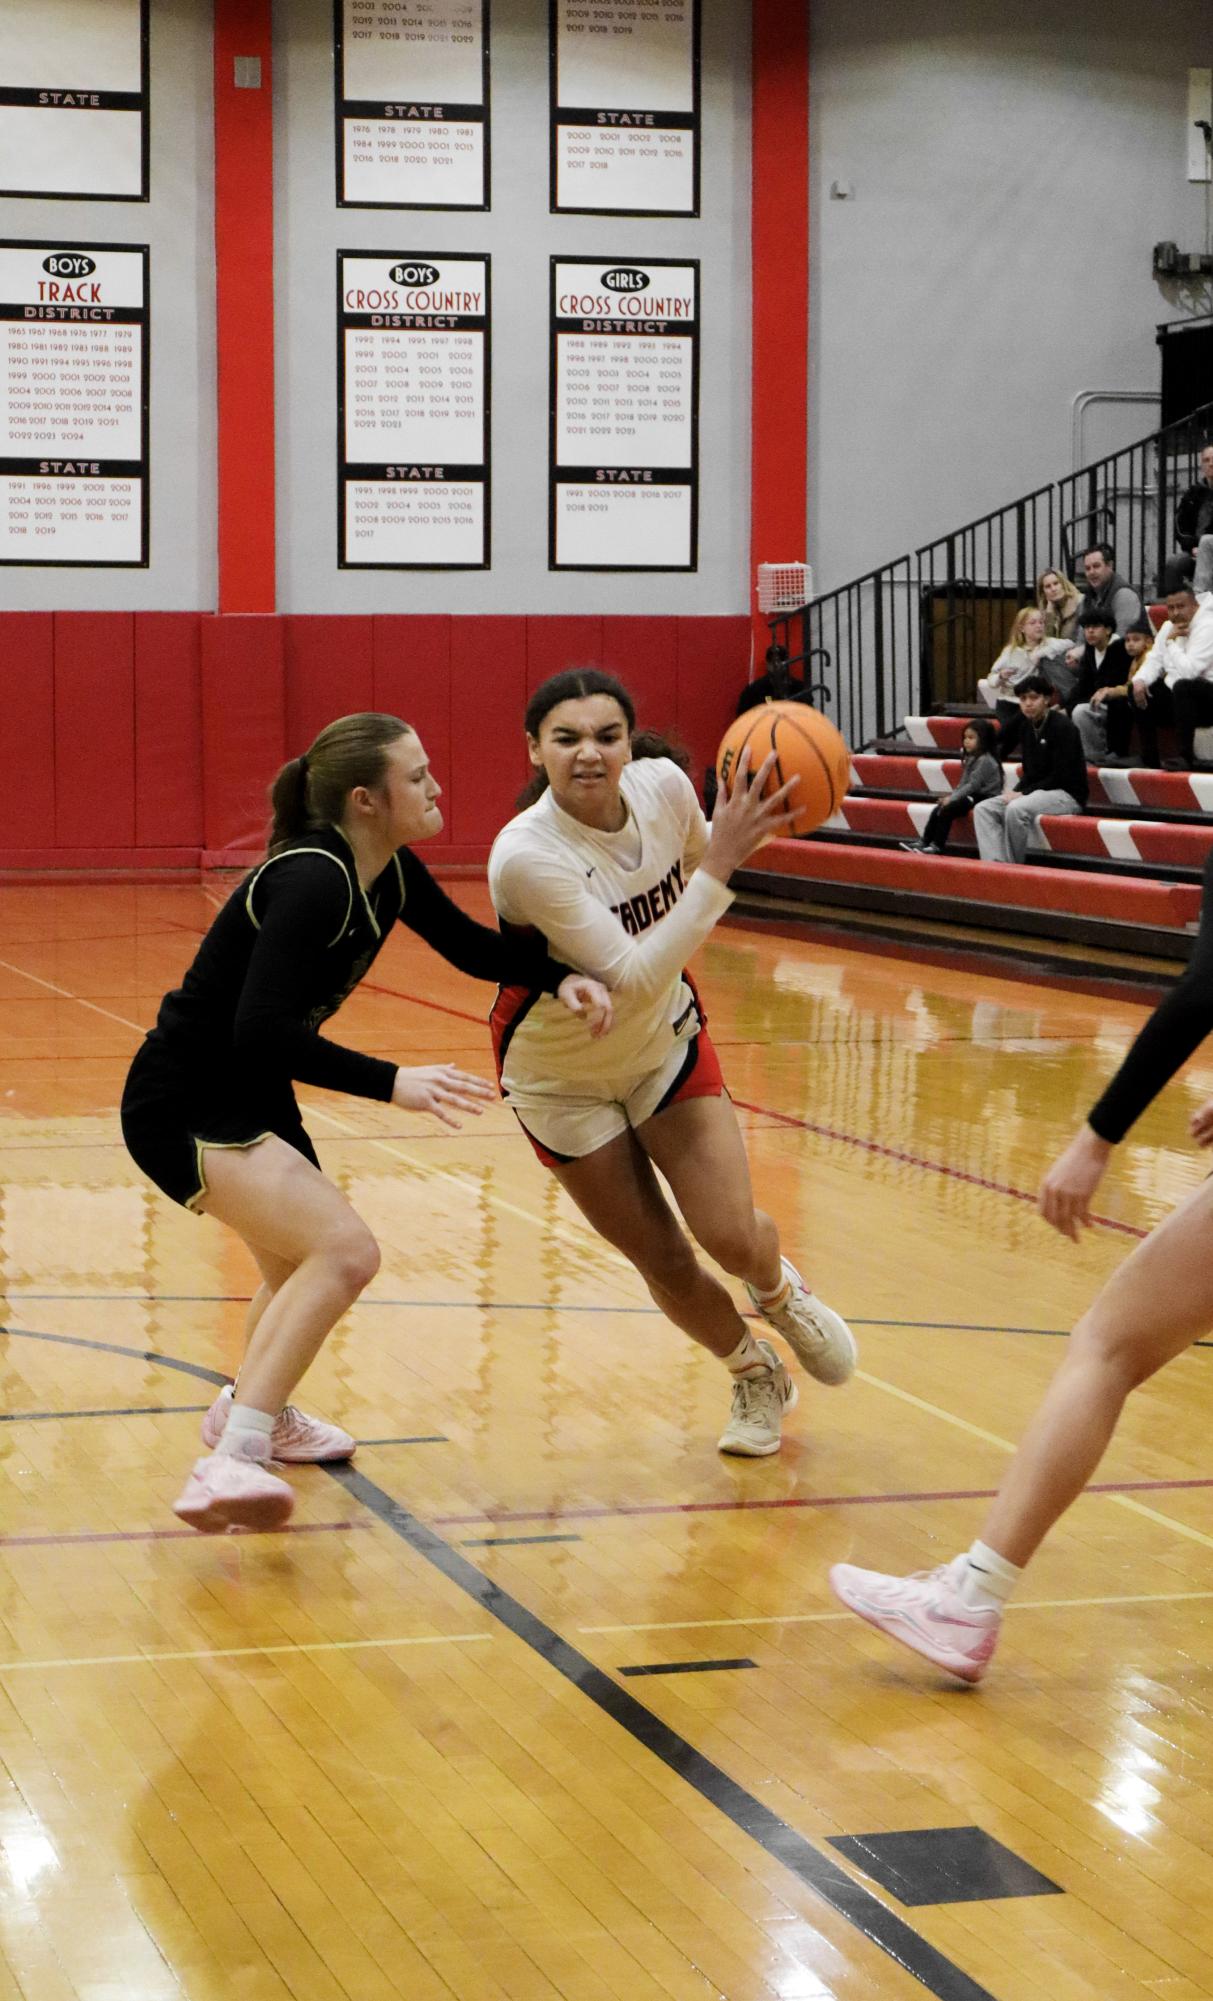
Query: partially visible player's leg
[(297, 1439), (697, 1144), (618, 1192), (1157, 1304), (279, 1203)]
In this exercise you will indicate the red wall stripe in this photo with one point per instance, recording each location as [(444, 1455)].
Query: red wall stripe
[(328, 671), (779, 407), (244, 309), (643, 654), (243, 727), (488, 762), (712, 663)]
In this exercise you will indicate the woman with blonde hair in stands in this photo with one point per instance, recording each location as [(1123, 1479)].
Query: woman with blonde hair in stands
[(1028, 650), (1058, 598)]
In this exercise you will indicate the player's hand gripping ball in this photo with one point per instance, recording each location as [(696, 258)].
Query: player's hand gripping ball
[(805, 744)]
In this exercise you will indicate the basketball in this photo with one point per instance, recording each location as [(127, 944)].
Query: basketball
[(805, 745)]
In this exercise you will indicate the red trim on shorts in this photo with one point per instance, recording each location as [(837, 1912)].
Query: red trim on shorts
[(700, 1076), (511, 1006)]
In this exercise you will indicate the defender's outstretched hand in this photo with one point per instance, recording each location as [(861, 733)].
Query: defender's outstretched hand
[(441, 1089)]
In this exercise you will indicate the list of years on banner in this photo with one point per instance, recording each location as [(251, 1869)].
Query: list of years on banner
[(624, 437), (413, 391), (73, 409), (625, 107), (412, 104), (73, 98)]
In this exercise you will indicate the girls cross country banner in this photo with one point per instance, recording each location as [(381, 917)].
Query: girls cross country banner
[(73, 99), (73, 404), (624, 472), (412, 411), (625, 106), (412, 103)]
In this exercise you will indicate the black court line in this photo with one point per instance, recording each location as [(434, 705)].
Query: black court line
[(131, 1410), (430, 1438), (783, 1843), (508, 1541), (690, 1667), (923, 1961)]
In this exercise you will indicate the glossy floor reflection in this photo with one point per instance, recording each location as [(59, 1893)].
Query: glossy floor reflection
[(392, 1750)]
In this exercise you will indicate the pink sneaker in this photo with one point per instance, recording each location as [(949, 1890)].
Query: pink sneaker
[(296, 1440), (925, 1612), (227, 1492)]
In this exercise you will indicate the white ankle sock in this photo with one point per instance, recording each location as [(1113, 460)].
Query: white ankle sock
[(987, 1578), (777, 1294), (746, 1358), (244, 1432)]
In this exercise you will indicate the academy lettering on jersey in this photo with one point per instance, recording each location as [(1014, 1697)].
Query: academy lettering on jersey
[(651, 905)]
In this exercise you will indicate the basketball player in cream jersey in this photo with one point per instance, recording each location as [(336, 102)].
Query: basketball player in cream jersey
[(615, 867)]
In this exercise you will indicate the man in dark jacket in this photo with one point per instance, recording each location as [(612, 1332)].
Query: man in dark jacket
[(1053, 778), (1105, 730), (1194, 523), (1105, 588)]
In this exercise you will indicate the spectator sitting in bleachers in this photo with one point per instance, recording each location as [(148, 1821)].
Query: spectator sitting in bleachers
[(776, 685), (1028, 651), (1125, 716), (1099, 705), (1194, 523), (980, 778), (1053, 778), (1059, 598), (1105, 587), (1181, 658)]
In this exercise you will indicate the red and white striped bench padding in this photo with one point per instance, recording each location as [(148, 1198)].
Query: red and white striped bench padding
[(1162, 791), (1156, 842), (935, 732)]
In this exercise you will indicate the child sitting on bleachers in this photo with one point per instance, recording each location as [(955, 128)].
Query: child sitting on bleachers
[(980, 778)]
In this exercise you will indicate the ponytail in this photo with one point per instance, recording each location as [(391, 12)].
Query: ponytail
[(310, 791)]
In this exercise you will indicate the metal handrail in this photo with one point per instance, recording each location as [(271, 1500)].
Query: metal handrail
[(920, 629)]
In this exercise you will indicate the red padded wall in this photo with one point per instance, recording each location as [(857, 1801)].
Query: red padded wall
[(27, 796), (243, 727), (149, 738), (328, 672), (488, 763), (94, 729), (168, 729)]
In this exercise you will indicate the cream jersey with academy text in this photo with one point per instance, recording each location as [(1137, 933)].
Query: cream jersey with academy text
[(625, 908)]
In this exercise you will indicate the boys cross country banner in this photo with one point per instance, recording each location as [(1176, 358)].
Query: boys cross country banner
[(412, 103), (412, 411), (625, 107), (624, 485), (73, 99), (73, 404)]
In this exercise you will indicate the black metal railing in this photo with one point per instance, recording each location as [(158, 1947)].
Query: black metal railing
[(917, 632)]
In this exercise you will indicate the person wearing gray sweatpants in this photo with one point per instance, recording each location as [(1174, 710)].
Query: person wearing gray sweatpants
[(1053, 777)]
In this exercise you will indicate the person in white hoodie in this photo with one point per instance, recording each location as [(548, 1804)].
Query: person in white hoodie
[(1182, 659)]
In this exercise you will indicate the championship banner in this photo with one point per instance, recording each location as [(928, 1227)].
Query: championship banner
[(624, 415), (413, 411), (73, 404), (73, 99), (625, 107), (412, 103)]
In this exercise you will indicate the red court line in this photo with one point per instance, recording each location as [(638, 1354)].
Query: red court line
[(787, 1501), (438, 1007), (918, 1160), (169, 1535)]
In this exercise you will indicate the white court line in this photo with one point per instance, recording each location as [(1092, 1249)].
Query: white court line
[(825, 1618), (232, 1653), (65, 994)]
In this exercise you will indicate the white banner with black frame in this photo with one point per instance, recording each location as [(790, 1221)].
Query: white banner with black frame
[(624, 424), (412, 103), (73, 404), (74, 99), (625, 107), (413, 388)]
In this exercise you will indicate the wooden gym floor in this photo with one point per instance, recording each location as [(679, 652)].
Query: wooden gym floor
[(402, 1748)]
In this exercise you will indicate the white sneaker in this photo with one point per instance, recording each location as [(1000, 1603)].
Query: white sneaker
[(818, 1337), (759, 1402)]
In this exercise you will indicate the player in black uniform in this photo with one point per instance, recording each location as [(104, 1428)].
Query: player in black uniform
[(1157, 1304), (208, 1111)]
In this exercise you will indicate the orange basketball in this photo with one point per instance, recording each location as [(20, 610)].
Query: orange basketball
[(805, 744)]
